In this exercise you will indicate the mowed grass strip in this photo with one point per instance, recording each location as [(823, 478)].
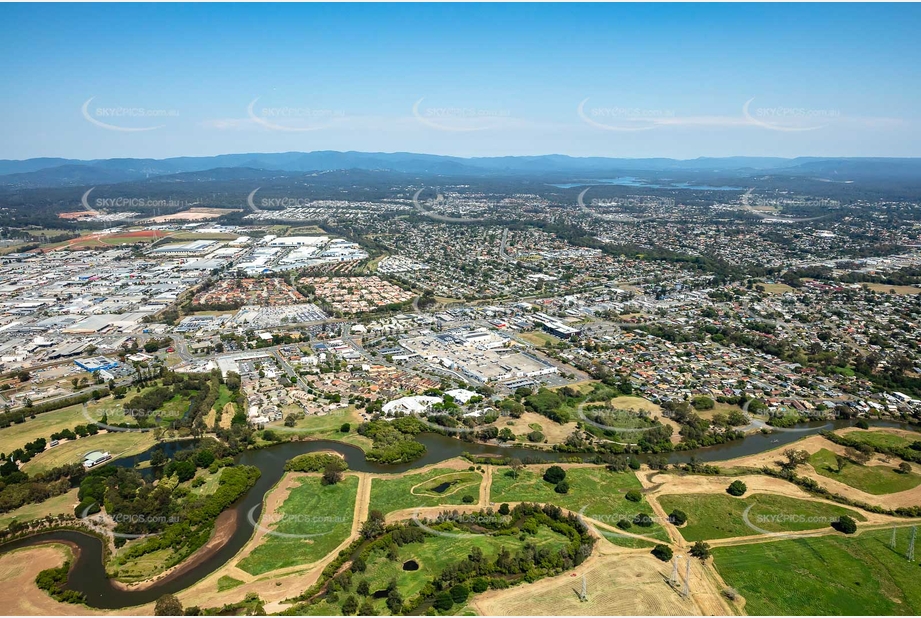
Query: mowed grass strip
[(830, 575), (594, 492), (720, 516), (42, 426), (119, 444), (879, 438), (397, 493), (321, 513), (876, 480)]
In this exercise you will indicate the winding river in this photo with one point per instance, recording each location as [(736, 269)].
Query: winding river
[(88, 572)]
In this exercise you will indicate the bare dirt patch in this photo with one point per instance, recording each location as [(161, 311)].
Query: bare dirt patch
[(623, 584), (194, 214), (553, 432), (227, 415), (19, 596)]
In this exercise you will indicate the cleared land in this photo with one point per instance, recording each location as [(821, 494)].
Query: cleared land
[(830, 575), (716, 516), (600, 493), (876, 479), (117, 443), (628, 402), (899, 289), (59, 505), (881, 437), (19, 596), (312, 521), (539, 338), (195, 214), (553, 432), (417, 490), (619, 585), (42, 426), (776, 288)]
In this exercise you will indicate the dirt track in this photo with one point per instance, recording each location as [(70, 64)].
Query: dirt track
[(619, 582)]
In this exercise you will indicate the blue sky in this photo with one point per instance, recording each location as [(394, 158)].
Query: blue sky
[(625, 80)]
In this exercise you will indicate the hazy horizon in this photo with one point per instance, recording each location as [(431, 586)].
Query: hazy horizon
[(622, 81)]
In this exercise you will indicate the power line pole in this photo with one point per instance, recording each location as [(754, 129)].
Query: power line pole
[(673, 580), (584, 596), (687, 578), (911, 544), (892, 540)]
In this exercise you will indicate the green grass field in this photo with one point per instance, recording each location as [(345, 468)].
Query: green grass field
[(599, 492), (141, 568), (433, 556), (59, 505), (310, 509), (879, 438), (117, 443), (626, 541), (327, 424), (394, 494), (227, 583), (830, 575), (42, 426), (720, 516), (876, 480)]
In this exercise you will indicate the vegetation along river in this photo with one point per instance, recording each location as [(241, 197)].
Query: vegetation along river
[(88, 574)]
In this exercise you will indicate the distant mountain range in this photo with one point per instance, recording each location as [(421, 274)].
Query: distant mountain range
[(55, 172)]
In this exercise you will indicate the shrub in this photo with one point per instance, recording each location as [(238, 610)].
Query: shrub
[(168, 605), (350, 605), (504, 509), (468, 499), (642, 520), (443, 601), (624, 524), (845, 524), (662, 552), (700, 550), (634, 495), (459, 593), (678, 517), (480, 584), (332, 474), (346, 427), (736, 488), (554, 474), (862, 424), (562, 487)]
